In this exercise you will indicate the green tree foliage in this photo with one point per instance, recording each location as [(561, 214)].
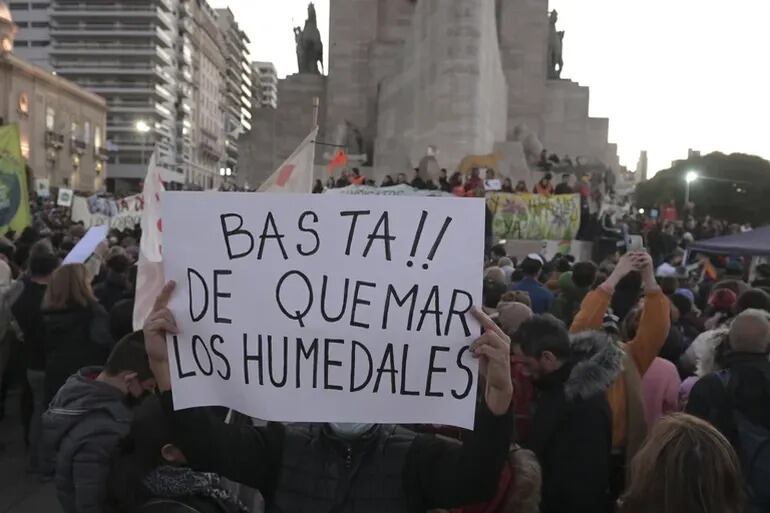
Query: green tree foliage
[(740, 193)]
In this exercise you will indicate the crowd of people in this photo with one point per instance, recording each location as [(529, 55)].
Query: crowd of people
[(622, 384), (463, 185)]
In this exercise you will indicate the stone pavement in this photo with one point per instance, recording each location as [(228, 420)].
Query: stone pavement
[(20, 492)]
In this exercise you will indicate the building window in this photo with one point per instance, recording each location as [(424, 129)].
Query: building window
[(39, 24), (40, 43), (87, 132), (97, 137), (24, 143), (20, 43), (19, 6), (41, 5), (22, 24), (50, 117), (74, 131)]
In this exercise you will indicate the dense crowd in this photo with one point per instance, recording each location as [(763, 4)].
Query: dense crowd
[(635, 382)]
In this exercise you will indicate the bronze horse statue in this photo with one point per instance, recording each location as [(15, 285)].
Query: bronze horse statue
[(310, 49)]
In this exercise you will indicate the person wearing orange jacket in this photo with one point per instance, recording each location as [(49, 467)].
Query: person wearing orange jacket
[(644, 331)]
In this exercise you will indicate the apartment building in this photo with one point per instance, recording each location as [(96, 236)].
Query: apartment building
[(175, 75), (265, 79), (238, 85)]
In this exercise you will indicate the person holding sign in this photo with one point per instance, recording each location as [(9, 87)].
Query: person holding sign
[(338, 467)]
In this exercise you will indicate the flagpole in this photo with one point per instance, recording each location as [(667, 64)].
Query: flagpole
[(316, 108)]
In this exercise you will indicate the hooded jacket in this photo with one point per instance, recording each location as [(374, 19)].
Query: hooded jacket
[(81, 430), (624, 394), (572, 427)]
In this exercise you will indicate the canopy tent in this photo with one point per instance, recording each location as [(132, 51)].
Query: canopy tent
[(753, 243)]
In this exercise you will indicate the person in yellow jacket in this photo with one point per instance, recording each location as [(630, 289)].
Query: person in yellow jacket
[(644, 331)]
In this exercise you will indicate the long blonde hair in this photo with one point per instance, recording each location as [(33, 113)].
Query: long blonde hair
[(69, 287), (685, 466)]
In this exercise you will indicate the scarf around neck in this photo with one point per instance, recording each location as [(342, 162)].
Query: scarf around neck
[(175, 482)]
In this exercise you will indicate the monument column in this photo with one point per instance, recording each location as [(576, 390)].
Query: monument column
[(524, 30), (353, 26)]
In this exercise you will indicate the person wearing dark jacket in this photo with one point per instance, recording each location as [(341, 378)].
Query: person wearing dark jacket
[(27, 311), (348, 467), (77, 327), (735, 400), (116, 285), (86, 420), (744, 382), (572, 425)]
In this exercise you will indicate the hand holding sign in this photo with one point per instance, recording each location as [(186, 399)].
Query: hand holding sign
[(160, 322), (493, 350)]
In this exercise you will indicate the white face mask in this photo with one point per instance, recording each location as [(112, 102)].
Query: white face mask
[(349, 430)]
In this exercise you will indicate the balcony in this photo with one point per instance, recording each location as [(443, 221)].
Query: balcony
[(101, 154), (54, 140), (110, 31), (91, 49), (104, 11), (78, 146)]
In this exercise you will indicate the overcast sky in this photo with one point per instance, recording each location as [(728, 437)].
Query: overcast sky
[(670, 74)]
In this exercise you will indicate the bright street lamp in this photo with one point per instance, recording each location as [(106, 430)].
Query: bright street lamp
[(143, 128), (689, 178), (225, 171)]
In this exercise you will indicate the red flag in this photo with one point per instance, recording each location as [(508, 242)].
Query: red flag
[(340, 159)]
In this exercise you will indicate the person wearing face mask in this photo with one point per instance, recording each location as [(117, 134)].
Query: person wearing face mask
[(348, 468), (87, 418)]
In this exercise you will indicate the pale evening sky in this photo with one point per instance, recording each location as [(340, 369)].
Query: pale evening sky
[(670, 75)]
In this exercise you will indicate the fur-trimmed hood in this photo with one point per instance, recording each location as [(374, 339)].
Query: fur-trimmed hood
[(598, 361)]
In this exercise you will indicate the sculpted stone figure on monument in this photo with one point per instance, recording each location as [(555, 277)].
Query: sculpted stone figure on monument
[(348, 135), (555, 45), (529, 141), (310, 49)]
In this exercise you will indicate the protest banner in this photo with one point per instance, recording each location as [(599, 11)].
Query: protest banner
[(328, 308), (14, 207), (120, 214), (396, 190), (64, 199), (43, 187), (534, 217)]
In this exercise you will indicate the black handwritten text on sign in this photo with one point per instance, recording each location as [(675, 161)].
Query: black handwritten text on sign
[(323, 307)]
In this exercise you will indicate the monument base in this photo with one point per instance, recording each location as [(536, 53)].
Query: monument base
[(276, 133)]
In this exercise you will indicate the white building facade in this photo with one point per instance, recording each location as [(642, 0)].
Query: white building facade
[(265, 79), (238, 86)]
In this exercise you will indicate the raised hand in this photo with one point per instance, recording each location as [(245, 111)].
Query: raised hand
[(158, 323), (493, 351)]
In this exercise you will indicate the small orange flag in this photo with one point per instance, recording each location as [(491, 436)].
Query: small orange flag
[(709, 271), (340, 159)]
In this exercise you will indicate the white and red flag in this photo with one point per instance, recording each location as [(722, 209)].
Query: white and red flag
[(296, 173)]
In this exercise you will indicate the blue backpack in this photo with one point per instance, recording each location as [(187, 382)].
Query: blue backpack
[(753, 447)]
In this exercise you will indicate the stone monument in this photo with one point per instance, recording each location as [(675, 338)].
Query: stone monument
[(467, 77)]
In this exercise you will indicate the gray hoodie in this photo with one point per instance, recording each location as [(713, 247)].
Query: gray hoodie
[(81, 431)]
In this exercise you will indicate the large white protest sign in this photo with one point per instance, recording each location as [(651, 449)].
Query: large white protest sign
[(326, 307)]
